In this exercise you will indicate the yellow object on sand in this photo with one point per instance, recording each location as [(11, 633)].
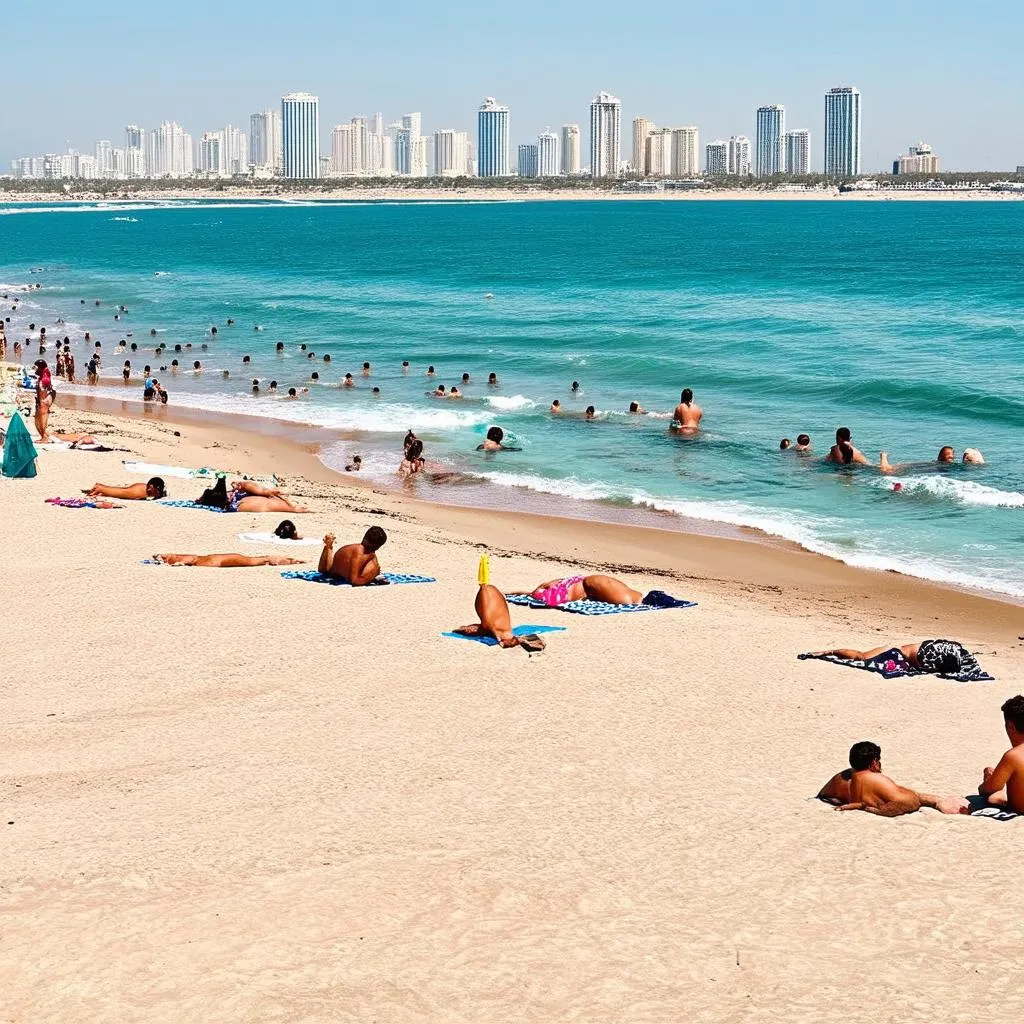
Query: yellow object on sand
[(483, 573)]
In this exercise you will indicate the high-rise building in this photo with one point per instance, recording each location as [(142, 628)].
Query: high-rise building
[(342, 156), (919, 159), (380, 150), (300, 135), (235, 151), (527, 163), (450, 153), (377, 128), (134, 137), (135, 142), (771, 127), (492, 132), (739, 155), (104, 153), (570, 149), (798, 151), (642, 129), (169, 152), (265, 142), (605, 135), (210, 155), (685, 152), (359, 145), (658, 158), (716, 157), (842, 132), (548, 164)]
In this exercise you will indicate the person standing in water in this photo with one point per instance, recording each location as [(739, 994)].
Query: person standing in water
[(688, 414)]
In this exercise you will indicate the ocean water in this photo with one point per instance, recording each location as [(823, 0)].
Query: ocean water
[(901, 320)]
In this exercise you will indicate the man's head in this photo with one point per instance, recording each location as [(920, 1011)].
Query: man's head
[(866, 756), (374, 539), (1013, 716), (946, 454), (784, 444), (843, 434), (803, 440), (686, 396), (634, 406), (495, 434), (155, 488)]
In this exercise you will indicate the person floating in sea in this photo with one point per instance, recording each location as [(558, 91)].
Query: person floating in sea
[(495, 442), (226, 561), (1003, 786), (356, 564), (151, 490), (843, 452), (863, 787), (688, 414), (785, 444), (803, 443), (348, 382), (438, 392)]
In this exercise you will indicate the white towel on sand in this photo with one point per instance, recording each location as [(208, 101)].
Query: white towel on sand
[(272, 538)]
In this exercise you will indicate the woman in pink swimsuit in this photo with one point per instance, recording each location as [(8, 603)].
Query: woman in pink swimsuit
[(584, 588)]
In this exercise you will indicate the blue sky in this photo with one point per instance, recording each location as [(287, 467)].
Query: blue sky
[(946, 72)]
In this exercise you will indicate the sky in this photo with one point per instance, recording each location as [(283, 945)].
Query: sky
[(934, 71)]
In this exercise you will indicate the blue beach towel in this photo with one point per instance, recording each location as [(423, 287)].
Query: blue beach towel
[(891, 664), (191, 504), (518, 631), (651, 604), (319, 577)]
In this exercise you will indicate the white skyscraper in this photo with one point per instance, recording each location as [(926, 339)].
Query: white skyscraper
[(341, 151), (716, 157), (605, 135), (135, 143), (450, 154), (570, 149), (211, 154), (658, 158), (739, 155), (380, 150), (169, 153), (527, 163), (104, 153), (769, 157), (360, 144), (234, 152), (548, 163), (492, 132), (798, 151), (265, 144), (685, 152), (842, 132), (300, 135), (642, 128)]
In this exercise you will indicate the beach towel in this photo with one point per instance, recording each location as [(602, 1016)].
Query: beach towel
[(19, 451), (192, 504), (518, 631), (655, 601), (312, 576), (980, 808), (81, 503), (272, 538), (892, 665)]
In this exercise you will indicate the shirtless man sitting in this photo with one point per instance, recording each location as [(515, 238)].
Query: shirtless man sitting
[(1003, 786), (151, 489), (688, 414), (356, 564), (865, 788), (496, 621)]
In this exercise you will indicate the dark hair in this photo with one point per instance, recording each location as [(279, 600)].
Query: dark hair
[(846, 451), (376, 391), (366, 366), (273, 383), (374, 538), (292, 393), (634, 406), (285, 530), (327, 357), (843, 434), (591, 410), (863, 753), (415, 449), (803, 438), (492, 376), (495, 434), (430, 369), (409, 438), (784, 444), (686, 396), (215, 496), (196, 365), (1013, 712), (575, 385), (174, 362), (177, 348), (465, 377), (158, 485), (279, 347), (405, 362)]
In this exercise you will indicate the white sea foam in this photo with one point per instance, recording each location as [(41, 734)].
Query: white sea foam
[(507, 403), (949, 488)]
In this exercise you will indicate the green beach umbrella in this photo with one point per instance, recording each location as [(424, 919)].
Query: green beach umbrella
[(19, 451)]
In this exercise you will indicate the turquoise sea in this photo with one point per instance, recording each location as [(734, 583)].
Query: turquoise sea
[(901, 320)]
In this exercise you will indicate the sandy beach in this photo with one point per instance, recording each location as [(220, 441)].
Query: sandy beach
[(232, 796)]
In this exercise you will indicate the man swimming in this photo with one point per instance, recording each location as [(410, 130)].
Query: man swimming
[(495, 442), (865, 788), (227, 561), (496, 621), (843, 452), (152, 489), (356, 564), (1003, 786), (688, 414), (803, 443)]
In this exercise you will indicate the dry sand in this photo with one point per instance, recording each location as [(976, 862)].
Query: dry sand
[(234, 797)]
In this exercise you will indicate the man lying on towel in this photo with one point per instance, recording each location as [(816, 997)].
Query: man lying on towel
[(356, 564), (864, 788), (1003, 786)]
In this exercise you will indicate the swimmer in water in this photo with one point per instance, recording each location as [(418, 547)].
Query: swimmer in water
[(556, 407), (279, 347), (292, 393), (785, 444), (688, 414), (495, 442), (803, 443), (439, 392), (405, 366), (492, 380), (366, 369), (973, 457), (348, 382), (465, 379), (430, 371), (454, 392), (590, 413), (843, 452), (946, 457), (637, 409)]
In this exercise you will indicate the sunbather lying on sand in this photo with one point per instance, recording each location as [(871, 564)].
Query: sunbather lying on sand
[(228, 561), (580, 588), (152, 488), (495, 620), (936, 656), (246, 496), (356, 564), (864, 788)]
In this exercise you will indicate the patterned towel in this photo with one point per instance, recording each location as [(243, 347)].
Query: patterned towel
[(518, 631), (191, 504), (594, 607), (81, 503), (891, 664), (981, 808), (317, 577)]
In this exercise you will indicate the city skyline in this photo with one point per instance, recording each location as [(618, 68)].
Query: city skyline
[(956, 99)]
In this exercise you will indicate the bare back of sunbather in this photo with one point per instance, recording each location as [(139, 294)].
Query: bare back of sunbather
[(226, 561)]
